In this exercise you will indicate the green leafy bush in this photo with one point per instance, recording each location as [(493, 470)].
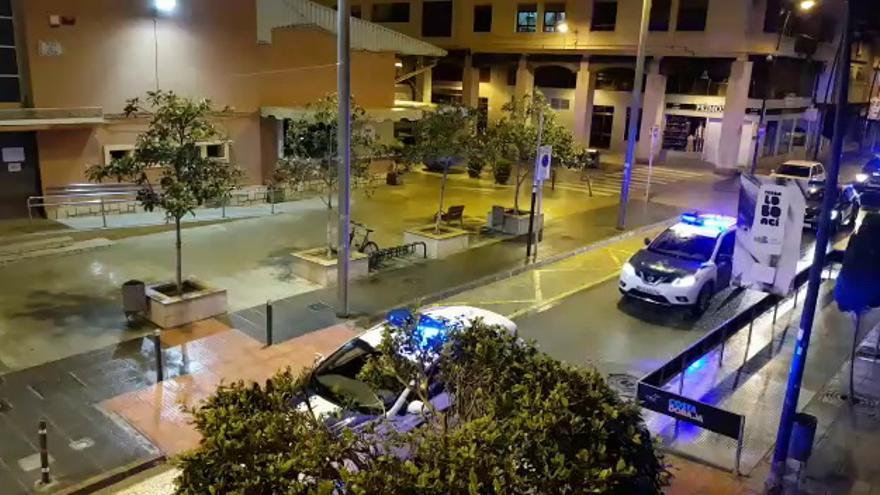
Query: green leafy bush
[(521, 423)]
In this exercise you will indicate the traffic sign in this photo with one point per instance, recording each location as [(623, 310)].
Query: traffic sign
[(543, 163)]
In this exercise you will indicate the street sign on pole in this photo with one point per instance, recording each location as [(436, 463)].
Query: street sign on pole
[(543, 164)]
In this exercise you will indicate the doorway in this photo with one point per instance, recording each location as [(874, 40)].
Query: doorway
[(602, 124), (19, 173)]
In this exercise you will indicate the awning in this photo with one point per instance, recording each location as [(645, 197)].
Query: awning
[(394, 114), (46, 118), (365, 35)]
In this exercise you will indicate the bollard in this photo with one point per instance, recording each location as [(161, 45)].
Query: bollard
[(269, 323), (103, 213), (160, 372), (45, 479)]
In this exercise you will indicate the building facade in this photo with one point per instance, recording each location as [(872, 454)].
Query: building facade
[(68, 67), (716, 69)]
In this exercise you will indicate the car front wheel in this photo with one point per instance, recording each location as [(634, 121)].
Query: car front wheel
[(703, 301)]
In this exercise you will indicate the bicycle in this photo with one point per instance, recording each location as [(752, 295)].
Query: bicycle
[(366, 246)]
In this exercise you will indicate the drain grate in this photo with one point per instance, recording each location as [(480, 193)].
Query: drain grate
[(5, 405), (319, 306)]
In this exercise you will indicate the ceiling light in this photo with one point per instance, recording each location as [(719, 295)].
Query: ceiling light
[(807, 4), (562, 27), (165, 6)]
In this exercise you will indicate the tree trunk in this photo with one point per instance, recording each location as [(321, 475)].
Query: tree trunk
[(177, 246), (330, 232), (516, 187), (442, 196)]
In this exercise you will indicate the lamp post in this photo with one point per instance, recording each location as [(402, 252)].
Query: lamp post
[(634, 112), (343, 142), (774, 483)]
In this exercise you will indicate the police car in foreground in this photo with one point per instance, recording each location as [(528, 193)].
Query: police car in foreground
[(685, 265), (336, 394)]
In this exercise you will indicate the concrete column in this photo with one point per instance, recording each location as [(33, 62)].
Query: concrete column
[(470, 83), (499, 92), (525, 79), (583, 103), (653, 110), (734, 116), (424, 86)]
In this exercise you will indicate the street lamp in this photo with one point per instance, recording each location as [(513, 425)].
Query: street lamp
[(165, 6)]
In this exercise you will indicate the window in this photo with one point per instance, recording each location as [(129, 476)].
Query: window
[(626, 125), (116, 151), (218, 150), (692, 15), (482, 18), (602, 125), (391, 12), (604, 16), (485, 74), (10, 90), (437, 19), (659, 20), (770, 138), (560, 103), (772, 17), (356, 11), (527, 18), (554, 13)]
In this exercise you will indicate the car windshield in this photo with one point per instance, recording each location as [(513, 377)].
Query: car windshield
[(336, 379), (873, 166), (684, 241), (793, 170)]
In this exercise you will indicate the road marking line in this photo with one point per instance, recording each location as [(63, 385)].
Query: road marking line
[(536, 279), (553, 300)]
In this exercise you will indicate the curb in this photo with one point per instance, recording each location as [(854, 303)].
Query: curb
[(506, 274), (112, 477)]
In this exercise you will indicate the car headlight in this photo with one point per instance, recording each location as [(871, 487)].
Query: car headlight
[(686, 281), (628, 269), (861, 177)]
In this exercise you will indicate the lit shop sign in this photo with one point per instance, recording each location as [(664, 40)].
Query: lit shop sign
[(706, 108), (696, 107)]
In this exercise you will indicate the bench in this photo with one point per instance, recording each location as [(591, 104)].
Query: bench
[(452, 214), (382, 255)]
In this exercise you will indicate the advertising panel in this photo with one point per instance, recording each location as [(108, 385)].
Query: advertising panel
[(770, 224)]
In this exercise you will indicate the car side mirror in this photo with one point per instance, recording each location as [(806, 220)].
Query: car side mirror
[(416, 407), (647, 241)]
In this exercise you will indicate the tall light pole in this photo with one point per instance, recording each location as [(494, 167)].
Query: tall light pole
[(343, 142), (634, 115), (796, 374)]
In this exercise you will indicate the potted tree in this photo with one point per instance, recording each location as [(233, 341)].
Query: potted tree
[(516, 138), (173, 175), (312, 155), (443, 137)]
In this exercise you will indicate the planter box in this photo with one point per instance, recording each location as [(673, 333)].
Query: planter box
[(198, 303), (438, 245), (314, 266), (514, 224)]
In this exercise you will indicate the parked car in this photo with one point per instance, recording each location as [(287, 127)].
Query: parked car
[(336, 395), (685, 265), (844, 213), (801, 169), (868, 182)]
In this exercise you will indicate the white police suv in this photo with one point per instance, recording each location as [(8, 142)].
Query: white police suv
[(685, 265)]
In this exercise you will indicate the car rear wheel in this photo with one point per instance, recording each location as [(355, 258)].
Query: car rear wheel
[(703, 301)]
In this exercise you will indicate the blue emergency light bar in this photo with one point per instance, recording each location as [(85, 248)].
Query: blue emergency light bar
[(708, 220)]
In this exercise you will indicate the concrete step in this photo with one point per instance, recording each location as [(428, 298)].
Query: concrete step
[(70, 248), (21, 247)]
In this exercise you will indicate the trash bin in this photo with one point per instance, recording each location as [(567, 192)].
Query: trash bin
[(134, 297), (802, 435), (594, 157)]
